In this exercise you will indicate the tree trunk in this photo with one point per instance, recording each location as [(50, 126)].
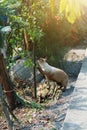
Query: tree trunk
[(7, 84), (9, 121)]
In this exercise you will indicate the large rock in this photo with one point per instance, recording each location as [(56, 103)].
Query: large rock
[(21, 73), (72, 62)]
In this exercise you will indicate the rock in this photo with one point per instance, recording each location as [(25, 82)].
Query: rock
[(21, 73)]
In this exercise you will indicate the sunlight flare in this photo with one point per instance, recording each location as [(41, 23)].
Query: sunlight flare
[(73, 9)]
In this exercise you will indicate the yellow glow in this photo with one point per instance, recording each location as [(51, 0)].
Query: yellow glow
[(84, 2), (1, 1)]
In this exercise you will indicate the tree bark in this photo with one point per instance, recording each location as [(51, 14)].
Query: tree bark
[(9, 121), (7, 84)]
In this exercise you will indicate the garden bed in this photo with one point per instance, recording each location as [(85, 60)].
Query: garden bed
[(52, 116)]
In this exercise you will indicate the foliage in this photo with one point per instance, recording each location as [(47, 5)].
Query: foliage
[(52, 5), (59, 34), (82, 28), (73, 9), (29, 104), (42, 24), (17, 22), (34, 22), (58, 30), (53, 129)]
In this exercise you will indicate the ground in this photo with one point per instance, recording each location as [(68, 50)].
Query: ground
[(50, 117)]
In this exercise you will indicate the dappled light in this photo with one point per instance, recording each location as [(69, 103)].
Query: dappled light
[(42, 52), (73, 9), (84, 2)]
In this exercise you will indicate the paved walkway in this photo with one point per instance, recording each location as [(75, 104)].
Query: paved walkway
[(76, 118)]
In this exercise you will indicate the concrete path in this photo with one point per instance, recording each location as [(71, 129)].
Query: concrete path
[(76, 117)]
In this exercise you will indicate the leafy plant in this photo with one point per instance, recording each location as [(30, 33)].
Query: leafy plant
[(73, 9), (53, 129)]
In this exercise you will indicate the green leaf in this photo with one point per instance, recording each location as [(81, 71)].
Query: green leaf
[(72, 8)]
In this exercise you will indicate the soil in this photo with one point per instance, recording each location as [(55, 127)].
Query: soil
[(52, 116)]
